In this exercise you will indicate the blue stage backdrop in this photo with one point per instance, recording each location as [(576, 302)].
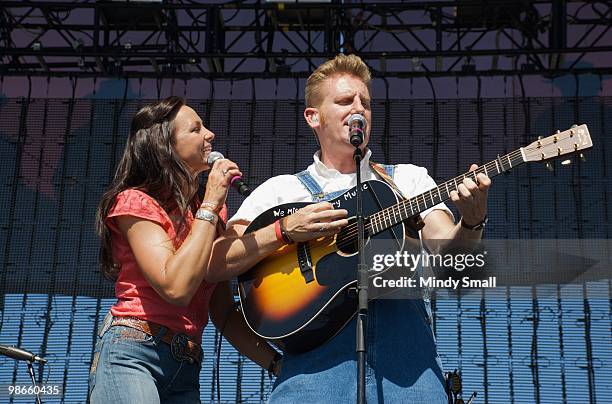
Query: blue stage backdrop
[(58, 156)]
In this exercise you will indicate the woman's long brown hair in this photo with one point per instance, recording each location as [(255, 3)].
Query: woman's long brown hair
[(150, 164)]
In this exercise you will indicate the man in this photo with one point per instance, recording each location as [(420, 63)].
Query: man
[(402, 363)]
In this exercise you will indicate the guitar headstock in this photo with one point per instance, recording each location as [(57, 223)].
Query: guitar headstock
[(570, 141)]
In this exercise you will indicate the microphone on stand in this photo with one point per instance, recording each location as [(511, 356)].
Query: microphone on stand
[(236, 182), (357, 125), (20, 354)]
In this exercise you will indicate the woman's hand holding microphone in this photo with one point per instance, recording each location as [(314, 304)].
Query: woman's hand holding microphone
[(219, 181)]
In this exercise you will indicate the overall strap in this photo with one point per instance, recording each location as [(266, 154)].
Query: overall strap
[(311, 185), (389, 169)]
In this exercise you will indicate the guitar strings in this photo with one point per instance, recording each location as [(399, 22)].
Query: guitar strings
[(348, 235), (351, 229)]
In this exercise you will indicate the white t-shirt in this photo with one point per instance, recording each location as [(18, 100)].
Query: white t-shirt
[(410, 179)]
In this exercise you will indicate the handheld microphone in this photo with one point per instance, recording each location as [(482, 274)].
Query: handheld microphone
[(236, 181), (357, 125), (20, 354)]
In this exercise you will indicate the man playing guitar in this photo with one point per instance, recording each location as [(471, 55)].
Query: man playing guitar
[(402, 362)]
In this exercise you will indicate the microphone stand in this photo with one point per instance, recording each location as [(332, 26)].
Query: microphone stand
[(20, 354), (362, 283), (31, 371)]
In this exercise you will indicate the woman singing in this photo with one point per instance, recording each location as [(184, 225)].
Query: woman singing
[(157, 239)]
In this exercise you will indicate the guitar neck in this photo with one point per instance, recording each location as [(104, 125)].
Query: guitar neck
[(410, 207)]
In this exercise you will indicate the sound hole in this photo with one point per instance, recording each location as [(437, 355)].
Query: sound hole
[(346, 239)]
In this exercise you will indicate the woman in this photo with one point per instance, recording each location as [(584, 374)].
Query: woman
[(157, 250)]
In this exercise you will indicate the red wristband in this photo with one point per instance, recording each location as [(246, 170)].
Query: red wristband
[(277, 231)]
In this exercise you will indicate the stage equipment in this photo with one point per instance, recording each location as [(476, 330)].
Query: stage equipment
[(274, 40)]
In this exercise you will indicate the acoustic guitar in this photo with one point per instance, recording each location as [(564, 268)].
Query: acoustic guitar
[(302, 294)]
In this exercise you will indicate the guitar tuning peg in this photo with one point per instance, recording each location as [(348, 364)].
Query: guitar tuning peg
[(582, 158), (549, 166), (558, 131), (540, 137), (574, 125)]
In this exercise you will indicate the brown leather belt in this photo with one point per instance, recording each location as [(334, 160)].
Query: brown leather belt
[(182, 347)]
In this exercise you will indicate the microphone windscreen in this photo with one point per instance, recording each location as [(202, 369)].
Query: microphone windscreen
[(214, 156), (353, 119)]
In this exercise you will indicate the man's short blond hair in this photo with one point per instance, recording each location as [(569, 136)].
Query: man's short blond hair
[(351, 64)]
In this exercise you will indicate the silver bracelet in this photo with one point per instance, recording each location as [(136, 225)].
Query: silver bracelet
[(206, 215)]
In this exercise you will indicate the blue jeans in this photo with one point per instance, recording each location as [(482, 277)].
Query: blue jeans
[(130, 367), (402, 363)]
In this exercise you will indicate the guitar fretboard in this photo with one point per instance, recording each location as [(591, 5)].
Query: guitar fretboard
[(410, 207)]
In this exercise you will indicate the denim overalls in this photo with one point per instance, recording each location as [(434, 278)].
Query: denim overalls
[(402, 363)]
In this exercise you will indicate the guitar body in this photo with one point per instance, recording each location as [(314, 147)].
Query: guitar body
[(303, 294)]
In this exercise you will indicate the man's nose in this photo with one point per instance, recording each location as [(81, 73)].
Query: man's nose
[(357, 107)]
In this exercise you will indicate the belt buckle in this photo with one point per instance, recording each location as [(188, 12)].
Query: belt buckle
[(178, 347)]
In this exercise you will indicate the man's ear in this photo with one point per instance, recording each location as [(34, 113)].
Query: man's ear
[(312, 117)]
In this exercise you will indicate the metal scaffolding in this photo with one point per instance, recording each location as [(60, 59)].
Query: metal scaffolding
[(258, 39)]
